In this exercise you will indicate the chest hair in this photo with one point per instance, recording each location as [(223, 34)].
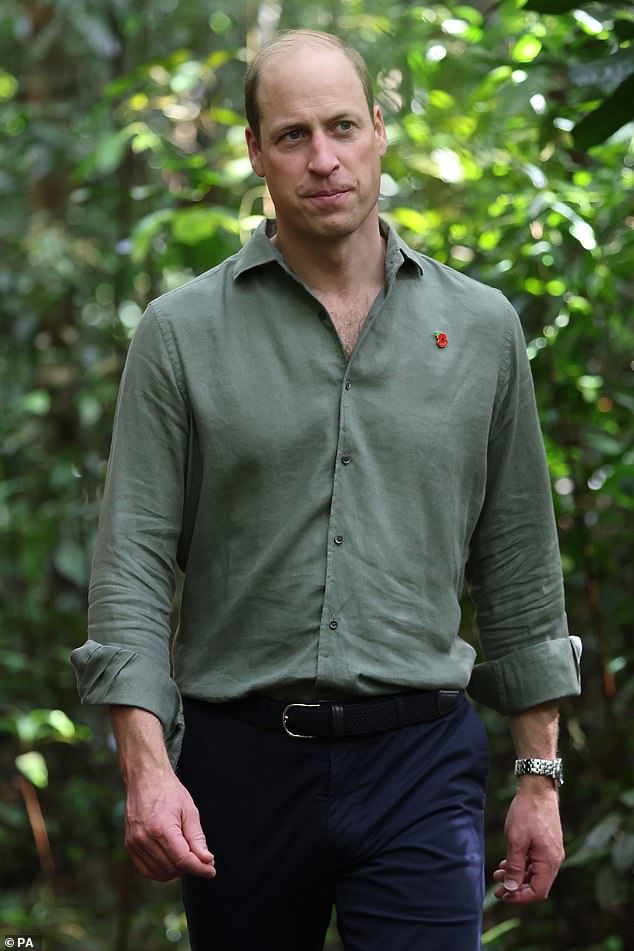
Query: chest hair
[(348, 315)]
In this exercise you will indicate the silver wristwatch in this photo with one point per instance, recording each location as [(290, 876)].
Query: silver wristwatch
[(541, 767)]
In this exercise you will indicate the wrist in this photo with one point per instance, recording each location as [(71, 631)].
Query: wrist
[(539, 787), (139, 737), (144, 767), (535, 773)]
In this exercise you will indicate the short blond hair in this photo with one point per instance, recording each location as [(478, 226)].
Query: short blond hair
[(286, 41)]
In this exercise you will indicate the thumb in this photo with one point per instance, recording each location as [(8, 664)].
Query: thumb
[(514, 869)]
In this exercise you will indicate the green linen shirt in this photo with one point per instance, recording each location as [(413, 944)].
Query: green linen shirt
[(325, 512)]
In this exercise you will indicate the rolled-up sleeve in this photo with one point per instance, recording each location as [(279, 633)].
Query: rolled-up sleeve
[(514, 570), (126, 659)]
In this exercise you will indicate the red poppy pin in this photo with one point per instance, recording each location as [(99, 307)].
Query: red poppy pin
[(441, 339)]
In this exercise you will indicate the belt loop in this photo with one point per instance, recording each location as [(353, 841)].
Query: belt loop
[(447, 700), (401, 710), (338, 725)]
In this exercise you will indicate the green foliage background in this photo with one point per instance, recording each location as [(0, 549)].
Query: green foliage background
[(123, 172)]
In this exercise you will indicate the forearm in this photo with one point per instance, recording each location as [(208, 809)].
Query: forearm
[(140, 742), (536, 731), (533, 827), (163, 832)]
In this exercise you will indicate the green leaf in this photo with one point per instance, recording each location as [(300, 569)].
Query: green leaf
[(97, 34), (71, 562), (8, 85), (526, 49), (551, 6), (226, 116), (414, 220), (146, 230), (598, 840), (62, 724), (105, 157), (623, 852), (193, 225), (614, 112), (33, 766), (37, 402), (606, 72), (500, 929)]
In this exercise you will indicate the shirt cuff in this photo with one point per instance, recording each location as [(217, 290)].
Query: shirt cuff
[(108, 674), (529, 676)]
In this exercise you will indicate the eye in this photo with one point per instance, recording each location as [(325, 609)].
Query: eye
[(293, 135), (345, 125)]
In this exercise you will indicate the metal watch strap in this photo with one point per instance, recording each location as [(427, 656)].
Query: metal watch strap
[(552, 768)]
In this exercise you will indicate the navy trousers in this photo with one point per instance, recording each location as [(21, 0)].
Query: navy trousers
[(387, 827)]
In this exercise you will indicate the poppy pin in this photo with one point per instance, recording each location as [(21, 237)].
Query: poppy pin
[(441, 339)]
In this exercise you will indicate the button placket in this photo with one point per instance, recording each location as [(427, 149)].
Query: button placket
[(345, 459), (330, 622)]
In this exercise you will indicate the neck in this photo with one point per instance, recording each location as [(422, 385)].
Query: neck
[(336, 265)]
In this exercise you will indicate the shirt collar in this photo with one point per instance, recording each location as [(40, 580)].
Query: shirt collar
[(259, 251), (398, 252)]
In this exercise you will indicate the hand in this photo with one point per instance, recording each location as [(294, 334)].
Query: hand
[(163, 834), (534, 843)]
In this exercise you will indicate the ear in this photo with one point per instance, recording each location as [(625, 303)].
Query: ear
[(379, 130), (255, 153)]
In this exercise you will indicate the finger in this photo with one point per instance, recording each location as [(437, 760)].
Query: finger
[(536, 888), (499, 874), (540, 881), (195, 837), (149, 868), (154, 873), (525, 895), (150, 860), (514, 869), (163, 850), (165, 864), (185, 861), (156, 850)]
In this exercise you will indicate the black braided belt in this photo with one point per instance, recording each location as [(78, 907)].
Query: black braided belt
[(325, 718)]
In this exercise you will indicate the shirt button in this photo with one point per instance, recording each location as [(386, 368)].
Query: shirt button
[(347, 384), (345, 460), (338, 539), (333, 625)]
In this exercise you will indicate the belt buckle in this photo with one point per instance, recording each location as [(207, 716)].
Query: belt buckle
[(297, 736)]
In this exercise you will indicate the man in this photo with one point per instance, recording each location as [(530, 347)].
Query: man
[(328, 433)]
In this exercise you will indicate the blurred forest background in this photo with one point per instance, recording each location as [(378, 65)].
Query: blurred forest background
[(123, 172)]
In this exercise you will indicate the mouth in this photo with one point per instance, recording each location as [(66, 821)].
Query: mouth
[(327, 196)]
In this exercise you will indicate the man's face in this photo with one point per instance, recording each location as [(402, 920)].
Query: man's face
[(320, 148)]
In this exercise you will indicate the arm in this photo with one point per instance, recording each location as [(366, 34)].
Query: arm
[(514, 568), (162, 827), (126, 659), (515, 578), (125, 664), (533, 828)]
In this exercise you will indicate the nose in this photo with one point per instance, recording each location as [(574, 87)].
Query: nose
[(322, 157)]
